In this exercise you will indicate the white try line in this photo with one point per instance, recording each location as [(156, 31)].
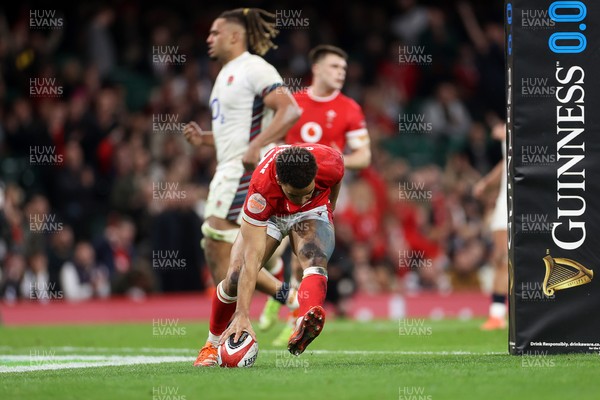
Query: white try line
[(47, 360), (170, 350), (177, 350), (48, 363), (400, 352)]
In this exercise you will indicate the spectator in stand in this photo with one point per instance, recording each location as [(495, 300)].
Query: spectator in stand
[(37, 209), (59, 251), (74, 191), (482, 154), (12, 274), (489, 46), (83, 278), (411, 23), (115, 249), (35, 283), (101, 45)]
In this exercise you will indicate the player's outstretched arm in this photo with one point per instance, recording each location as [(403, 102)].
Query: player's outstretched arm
[(254, 242), (286, 114), (196, 136)]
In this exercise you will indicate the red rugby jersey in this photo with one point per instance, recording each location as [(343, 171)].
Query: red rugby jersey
[(334, 121), (266, 198)]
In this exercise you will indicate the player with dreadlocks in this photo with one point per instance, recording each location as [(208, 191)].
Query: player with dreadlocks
[(248, 113)]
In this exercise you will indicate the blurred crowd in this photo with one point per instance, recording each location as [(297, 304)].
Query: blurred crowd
[(100, 194)]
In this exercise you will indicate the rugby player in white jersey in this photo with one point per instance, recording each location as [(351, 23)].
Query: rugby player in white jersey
[(250, 110)]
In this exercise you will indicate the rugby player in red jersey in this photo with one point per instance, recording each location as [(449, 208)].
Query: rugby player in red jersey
[(293, 191), (329, 118)]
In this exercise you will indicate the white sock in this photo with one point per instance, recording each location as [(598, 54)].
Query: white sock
[(214, 339), (497, 310)]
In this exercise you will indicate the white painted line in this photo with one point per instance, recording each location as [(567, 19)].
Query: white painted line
[(406, 353), (35, 358), (105, 349), (42, 351), (176, 350), (46, 360), (106, 361)]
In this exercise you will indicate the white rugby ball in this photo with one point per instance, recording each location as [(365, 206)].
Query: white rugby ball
[(240, 354)]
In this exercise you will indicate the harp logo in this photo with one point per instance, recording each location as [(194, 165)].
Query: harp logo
[(563, 273)]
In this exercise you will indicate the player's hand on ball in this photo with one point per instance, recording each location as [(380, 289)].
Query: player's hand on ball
[(193, 134), (239, 324), (251, 158)]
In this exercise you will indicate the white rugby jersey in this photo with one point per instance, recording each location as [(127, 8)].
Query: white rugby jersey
[(236, 102)]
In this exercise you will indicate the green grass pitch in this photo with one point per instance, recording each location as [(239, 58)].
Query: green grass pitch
[(414, 359)]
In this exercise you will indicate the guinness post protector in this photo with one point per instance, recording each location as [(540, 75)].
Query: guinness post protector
[(553, 164)]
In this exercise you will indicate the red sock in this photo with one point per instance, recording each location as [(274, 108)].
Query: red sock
[(223, 307), (312, 291)]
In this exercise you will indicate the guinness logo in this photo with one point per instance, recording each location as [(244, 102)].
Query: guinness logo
[(563, 273)]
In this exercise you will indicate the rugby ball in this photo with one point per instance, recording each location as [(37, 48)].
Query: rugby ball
[(240, 354)]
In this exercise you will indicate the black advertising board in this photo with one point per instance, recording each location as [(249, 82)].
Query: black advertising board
[(553, 163)]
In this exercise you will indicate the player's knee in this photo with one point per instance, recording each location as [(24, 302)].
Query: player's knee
[(226, 294), (311, 254)]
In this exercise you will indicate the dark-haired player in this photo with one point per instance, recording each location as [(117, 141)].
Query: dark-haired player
[(247, 114), (330, 118), (292, 192)]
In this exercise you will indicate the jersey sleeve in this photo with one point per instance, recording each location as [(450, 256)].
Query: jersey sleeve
[(263, 78), (257, 210), (333, 167), (356, 135)]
